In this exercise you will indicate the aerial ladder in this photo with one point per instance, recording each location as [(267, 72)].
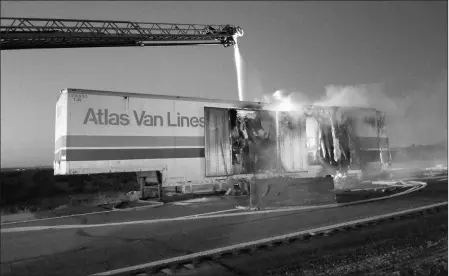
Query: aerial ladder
[(43, 33)]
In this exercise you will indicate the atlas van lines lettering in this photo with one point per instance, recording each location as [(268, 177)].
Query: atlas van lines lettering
[(104, 117)]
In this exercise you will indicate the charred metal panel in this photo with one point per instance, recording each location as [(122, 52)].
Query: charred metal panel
[(218, 143), (383, 140), (342, 138), (353, 145), (337, 150), (292, 141)]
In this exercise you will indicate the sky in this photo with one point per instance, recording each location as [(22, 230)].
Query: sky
[(392, 55)]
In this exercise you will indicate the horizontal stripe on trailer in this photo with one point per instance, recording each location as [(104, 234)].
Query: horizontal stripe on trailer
[(83, 141), (90, 141), (128, 154), (85, 148)]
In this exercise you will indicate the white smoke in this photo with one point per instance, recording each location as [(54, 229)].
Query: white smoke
[(366, 95), (420, 118), (297, 98)]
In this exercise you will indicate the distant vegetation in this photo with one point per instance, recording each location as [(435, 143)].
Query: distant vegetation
[(26, 168), (28, 185)]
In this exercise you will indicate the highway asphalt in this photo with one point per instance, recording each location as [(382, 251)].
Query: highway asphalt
[(410, 246), (83, 251)]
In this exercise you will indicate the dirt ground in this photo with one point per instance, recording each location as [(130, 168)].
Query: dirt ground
[(417, 247)]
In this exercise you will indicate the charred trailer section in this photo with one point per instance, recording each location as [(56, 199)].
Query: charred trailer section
[(250, 140), (339, 140), (292, 136), (324, 140), (343, 140), (253, 139), (370, 141)]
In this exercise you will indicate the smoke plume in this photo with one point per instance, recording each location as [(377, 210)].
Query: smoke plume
[(418, 118), (366, 95)]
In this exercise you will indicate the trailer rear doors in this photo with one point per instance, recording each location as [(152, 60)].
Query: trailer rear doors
[(217, 142)]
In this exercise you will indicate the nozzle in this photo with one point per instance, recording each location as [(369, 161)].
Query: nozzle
[(238, 31)]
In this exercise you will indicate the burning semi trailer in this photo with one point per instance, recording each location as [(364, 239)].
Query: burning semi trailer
[(341, 140), (186, 142)]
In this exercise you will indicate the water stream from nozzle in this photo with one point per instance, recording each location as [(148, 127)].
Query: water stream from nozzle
[(238, 68)]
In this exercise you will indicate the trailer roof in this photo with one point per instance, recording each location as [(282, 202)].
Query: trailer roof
[(181, 98), (153, 96)]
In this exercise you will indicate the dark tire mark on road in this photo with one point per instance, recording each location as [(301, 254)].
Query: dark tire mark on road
[(144, 241)]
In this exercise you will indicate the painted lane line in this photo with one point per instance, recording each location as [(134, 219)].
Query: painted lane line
[(419, 185), (92, 213), (212, 213), (84, 214), (189, 216), (139, 268), (60, 217)]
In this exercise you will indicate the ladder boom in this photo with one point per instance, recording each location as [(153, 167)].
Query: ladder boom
[(33, 33)]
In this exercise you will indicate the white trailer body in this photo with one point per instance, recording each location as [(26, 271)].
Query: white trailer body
[(186, 139), (106, 132)]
